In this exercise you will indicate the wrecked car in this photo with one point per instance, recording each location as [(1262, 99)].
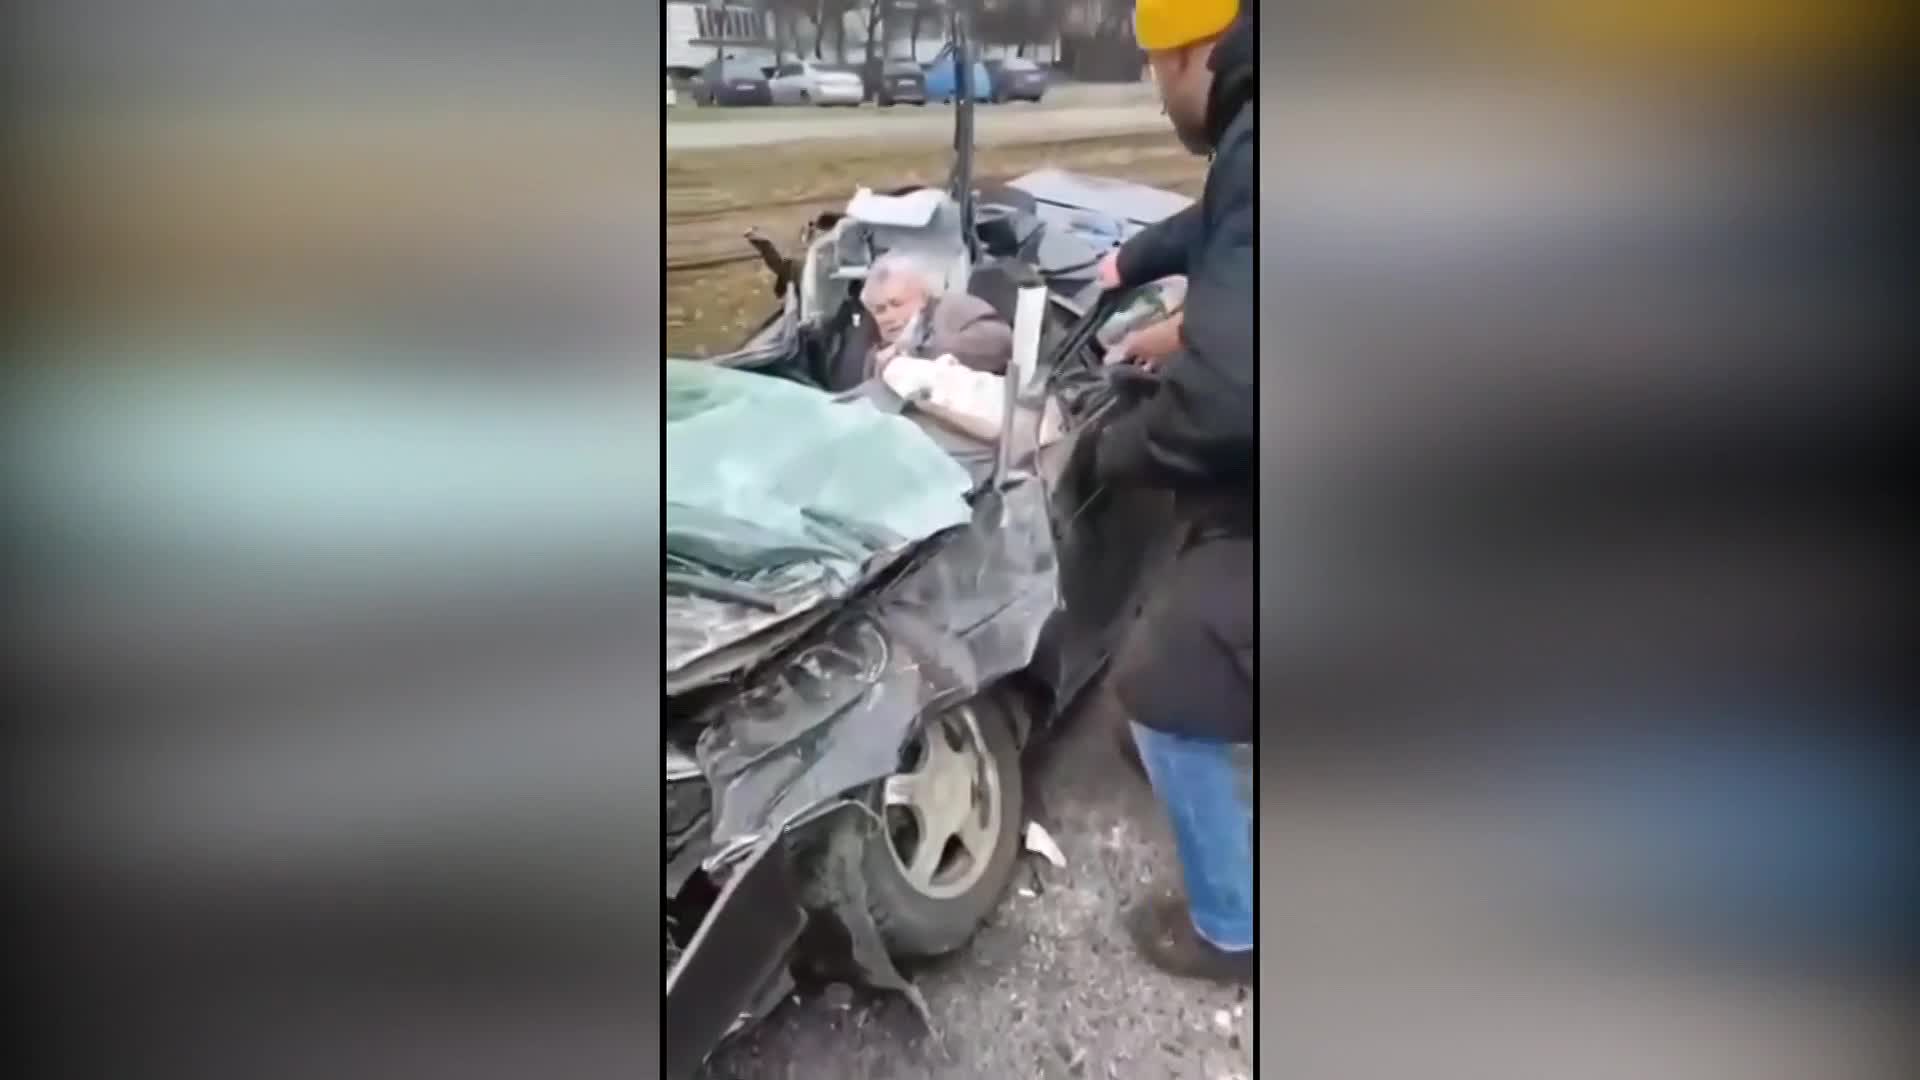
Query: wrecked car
[(870, 611)]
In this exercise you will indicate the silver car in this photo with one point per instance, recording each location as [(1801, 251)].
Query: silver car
[(810, 82)]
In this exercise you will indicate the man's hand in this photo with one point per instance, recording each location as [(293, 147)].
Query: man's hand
[(1149, 346), (1109, 272)]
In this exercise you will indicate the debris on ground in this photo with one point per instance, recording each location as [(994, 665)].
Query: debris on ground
[(1041, 843)]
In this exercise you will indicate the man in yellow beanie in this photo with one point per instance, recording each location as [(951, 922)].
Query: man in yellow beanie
[(1186, 675)]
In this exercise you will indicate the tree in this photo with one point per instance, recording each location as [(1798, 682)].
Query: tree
[(879, 24), (786, 15), (1019, 23), (830, 13)]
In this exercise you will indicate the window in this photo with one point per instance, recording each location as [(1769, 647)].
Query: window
[(1016, 63), (727, 24)]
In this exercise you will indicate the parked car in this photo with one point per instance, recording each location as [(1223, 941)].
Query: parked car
[(810, 82), (1016, 78), (870, 614), (732, 82), (897, 82), (943, 83)]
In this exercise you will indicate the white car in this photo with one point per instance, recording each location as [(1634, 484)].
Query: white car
[(813, 83)]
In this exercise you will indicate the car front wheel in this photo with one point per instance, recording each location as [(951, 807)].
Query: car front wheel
[(953, 816)]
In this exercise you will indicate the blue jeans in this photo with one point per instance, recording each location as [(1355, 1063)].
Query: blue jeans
[(1207, 788)]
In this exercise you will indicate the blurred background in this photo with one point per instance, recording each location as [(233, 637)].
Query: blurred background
[(1581, 749), (332, 475)]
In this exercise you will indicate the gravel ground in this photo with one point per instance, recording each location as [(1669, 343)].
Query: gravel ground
[(1050, 987)]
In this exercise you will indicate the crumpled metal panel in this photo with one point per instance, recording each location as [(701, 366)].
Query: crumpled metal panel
[(778, 494), (833, 719), (739, 948), (1128, 200), (1083, 217)]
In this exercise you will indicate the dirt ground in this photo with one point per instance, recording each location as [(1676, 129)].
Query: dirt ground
[(717, 289)]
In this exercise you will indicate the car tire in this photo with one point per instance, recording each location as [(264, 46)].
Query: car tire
[(922, 914)]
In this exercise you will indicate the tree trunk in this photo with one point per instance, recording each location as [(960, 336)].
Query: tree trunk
[(913, 34), (874, 14), (819, 30)]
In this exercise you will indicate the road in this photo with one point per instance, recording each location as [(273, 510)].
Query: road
[(932, 124), (1050, 988)]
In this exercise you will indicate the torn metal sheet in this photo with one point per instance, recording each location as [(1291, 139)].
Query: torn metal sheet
[(1134, 203), (738, 951), (913, 210), (835, 717), (1082, 218)]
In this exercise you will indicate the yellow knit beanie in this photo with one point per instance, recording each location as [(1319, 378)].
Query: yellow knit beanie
[(1174, 24)]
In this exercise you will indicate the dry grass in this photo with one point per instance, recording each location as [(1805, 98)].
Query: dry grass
[(712, 311)]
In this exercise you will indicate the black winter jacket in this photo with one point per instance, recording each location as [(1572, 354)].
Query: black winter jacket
[(1196, 435)]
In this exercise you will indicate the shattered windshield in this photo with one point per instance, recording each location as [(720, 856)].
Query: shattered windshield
[(772, 485)]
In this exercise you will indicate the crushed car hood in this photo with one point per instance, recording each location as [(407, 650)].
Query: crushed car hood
[(780, 500), (958, 618)]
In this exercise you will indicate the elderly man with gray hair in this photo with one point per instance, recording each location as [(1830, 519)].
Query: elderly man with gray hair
[(914, 316)]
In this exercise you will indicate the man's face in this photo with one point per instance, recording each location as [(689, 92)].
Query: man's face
[(893, 302), (1183, 79)]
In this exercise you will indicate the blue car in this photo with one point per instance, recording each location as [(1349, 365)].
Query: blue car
[(943, 85)]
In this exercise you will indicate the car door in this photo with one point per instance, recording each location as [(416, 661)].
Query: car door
[(1113, 544), (780, 86)]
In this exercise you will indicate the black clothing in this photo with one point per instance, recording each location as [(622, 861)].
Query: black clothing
[(1188, 668)]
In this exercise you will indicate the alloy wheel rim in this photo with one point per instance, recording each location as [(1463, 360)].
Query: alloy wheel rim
[(943, 810)]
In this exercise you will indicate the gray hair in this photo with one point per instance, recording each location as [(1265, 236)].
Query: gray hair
[(896, 263)]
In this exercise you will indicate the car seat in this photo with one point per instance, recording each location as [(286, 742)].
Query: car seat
[(997, 282)]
